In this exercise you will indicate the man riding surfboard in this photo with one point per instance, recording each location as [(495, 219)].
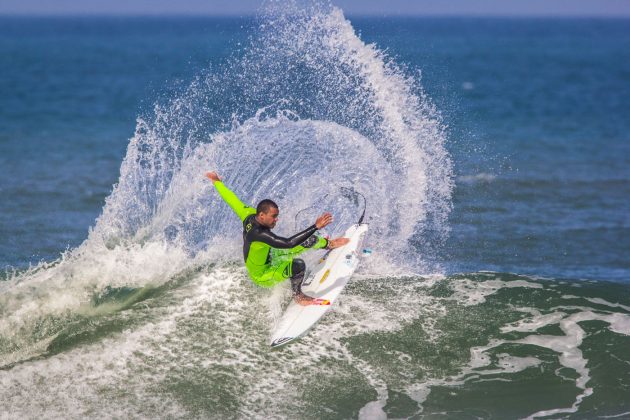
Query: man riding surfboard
[(269, 258)]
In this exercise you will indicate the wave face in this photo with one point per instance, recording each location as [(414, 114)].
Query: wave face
[(308, 115), (492, 345), (306, 109), (153, 315)]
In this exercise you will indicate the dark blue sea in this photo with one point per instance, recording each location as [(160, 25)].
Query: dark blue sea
[(494, 154)]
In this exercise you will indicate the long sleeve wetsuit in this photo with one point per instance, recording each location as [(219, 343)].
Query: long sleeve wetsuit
[(268, 257)]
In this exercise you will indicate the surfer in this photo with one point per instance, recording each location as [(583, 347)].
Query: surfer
[(269, 258)]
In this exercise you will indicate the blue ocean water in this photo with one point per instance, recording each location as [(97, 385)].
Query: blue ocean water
[(494, 156), (536, 111), (71, 91)]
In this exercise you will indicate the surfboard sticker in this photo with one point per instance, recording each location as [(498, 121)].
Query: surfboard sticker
[(324, 277), (331, 275)]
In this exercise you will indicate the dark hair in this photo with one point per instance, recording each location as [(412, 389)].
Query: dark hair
[(265, 205)]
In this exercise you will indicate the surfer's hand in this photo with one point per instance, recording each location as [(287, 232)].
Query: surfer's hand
[(337, 242), (213, 176), (323, 220)]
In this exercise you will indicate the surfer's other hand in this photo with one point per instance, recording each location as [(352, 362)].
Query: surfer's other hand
[(323, 220), (337, 242), (214, 177)]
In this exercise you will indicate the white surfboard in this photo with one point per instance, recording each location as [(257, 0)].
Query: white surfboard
[(326, 281)]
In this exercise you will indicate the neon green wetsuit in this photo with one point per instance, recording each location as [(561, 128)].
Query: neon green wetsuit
[(269, 258)]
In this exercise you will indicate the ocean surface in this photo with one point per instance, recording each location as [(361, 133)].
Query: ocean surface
[(494, 154)]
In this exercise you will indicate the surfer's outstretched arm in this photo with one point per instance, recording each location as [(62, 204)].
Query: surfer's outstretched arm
[(241, 209)]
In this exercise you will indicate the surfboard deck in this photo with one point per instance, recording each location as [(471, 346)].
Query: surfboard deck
[(326, 282)]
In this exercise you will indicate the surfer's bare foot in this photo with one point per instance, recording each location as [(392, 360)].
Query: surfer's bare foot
[(337, 242), (304, 300)]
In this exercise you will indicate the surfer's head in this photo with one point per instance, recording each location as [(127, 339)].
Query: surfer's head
[(267, 213)]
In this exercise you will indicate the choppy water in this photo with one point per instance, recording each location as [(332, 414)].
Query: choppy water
[(514, 163)]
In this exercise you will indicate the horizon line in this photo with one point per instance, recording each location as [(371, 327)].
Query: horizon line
[(347, 14)]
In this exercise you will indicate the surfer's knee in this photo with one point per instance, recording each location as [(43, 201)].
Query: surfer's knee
[(298, 267)]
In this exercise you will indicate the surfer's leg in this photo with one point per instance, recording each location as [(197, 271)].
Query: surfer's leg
[(298, 268), (274, 274), (293, 269), (289, 268)]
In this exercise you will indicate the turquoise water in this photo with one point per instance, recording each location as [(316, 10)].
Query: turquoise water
[(493, 154)]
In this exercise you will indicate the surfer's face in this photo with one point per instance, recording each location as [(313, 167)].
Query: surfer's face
[(269, 218)]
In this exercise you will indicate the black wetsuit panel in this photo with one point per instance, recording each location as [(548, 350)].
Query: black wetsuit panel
[(255, 232)]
